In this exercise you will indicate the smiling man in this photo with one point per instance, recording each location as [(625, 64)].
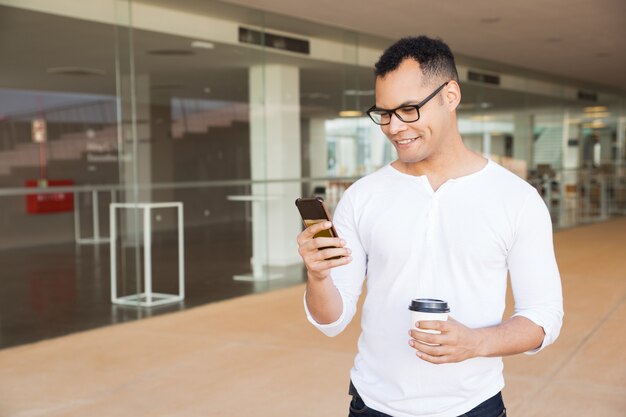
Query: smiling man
[(440, 222)]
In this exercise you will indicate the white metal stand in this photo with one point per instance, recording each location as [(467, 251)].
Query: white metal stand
[(96, 238), (147, 298)]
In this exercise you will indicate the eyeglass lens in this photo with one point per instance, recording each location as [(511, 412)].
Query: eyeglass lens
[(405, 114)]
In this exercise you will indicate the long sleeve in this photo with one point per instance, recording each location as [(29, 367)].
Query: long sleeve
[(348, 279), (535, 278)]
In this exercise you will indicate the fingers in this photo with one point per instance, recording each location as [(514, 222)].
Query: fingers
[(429, 338), (437, 325), (437, 360), (308, 240), (312, 250), (328, 253), (325, 265), (323, 247), (442, 341), (429, 348), (312, 230), (325, 242), (322, 253)]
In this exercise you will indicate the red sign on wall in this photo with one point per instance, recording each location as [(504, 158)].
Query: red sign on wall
[(49, 202)]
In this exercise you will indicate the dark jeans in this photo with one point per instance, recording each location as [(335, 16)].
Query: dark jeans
[(493, 407)]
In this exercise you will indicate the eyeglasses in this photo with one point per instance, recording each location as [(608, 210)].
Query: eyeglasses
[(407, 113)]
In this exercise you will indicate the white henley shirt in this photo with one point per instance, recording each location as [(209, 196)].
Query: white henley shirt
[(455, 244)]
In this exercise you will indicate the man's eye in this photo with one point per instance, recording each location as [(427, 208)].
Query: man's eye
[(407, 110)]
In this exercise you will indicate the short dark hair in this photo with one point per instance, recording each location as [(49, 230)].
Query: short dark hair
[(433, 55)]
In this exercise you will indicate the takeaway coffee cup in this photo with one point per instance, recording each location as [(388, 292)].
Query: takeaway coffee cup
[(423, 309)]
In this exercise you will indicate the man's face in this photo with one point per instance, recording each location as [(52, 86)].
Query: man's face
[(419, 140)]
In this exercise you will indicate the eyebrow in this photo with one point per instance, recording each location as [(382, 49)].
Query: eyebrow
[(405, 103), (410, 103)]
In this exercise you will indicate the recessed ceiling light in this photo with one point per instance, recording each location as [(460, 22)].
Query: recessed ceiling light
[(202, 45), (76, 71), (314, 96), (470, 106), (359, 92), (171, 52), (207, 90), (482, 118), (592, 109), (490, 19), (350, 113)]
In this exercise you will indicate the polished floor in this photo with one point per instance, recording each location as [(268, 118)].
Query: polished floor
[(257, 355), (54, 290)]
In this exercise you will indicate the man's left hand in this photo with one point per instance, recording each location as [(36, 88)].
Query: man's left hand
[(456, 342)]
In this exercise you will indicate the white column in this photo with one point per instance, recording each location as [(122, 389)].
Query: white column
[(569, 177), (606, 146), (136, 153), (275, 155), (523, 138), (318, 150), (142, 160), (621, 132), (486, 143), (571, 154)]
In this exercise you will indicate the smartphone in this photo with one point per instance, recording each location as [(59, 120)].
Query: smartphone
[(312, 211)]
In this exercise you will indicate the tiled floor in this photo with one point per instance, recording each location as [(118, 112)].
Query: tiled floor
[(584, 373), (53, 290), (257, 355)]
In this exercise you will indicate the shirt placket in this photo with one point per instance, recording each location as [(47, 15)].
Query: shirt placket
[(431, 237), (433, 220)]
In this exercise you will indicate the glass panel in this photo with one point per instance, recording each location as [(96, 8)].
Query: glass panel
[(58, 159), (205, 142), (340, 143)]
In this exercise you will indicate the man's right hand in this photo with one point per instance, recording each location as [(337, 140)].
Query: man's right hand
[(316, 260)]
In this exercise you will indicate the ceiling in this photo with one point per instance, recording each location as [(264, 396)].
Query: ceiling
[(223, 70), (576, 39)]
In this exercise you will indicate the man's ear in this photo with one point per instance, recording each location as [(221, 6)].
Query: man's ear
[(452, 95)]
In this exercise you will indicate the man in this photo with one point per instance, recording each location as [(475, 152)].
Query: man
[(440, 222)]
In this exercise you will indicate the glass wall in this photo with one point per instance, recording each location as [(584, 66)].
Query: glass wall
[(226, 115), (59, 129)]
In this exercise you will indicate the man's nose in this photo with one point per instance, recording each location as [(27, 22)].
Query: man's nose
[(396, 125)]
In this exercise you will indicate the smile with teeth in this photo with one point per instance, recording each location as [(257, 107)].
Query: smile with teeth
[(406, 141)]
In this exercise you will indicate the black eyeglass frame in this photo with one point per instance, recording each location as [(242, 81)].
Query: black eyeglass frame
[(415, 106)]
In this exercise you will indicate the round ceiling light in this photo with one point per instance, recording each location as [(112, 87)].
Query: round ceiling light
[(350, 113), (171, 52), (80, 71)]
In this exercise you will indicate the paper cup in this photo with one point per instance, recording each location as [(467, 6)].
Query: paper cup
[(428, 309)]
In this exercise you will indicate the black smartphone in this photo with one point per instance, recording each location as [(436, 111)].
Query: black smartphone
[(312, 211)]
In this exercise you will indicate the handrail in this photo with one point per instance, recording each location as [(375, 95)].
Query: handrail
[(223, 183), (4, 192)]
